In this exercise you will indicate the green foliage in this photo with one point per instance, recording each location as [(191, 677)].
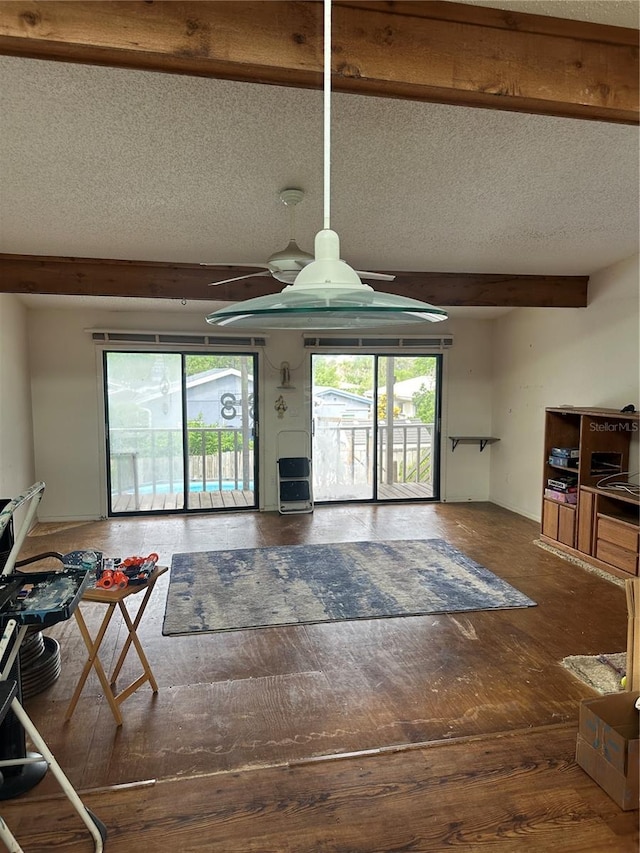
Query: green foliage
[(325, 372), (209, 439), (164, 443), (142, 371), (424, 402), (356, 374), (124, 413), (202, 363)]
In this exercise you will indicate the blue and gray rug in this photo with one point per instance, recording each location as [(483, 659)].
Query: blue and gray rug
[(288, 585)]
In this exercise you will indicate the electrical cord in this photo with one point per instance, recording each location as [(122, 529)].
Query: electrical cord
[(621, 486)]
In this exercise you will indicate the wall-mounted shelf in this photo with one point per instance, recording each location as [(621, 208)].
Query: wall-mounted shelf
[(482, 440)]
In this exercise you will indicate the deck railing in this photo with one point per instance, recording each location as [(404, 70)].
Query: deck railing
[(150, 460), (405, 451)]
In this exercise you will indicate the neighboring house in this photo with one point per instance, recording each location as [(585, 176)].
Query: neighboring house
[(403, 393), (215, 396), (334, 404)]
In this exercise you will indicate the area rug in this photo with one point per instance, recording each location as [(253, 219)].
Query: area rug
[(288, 585), (601, 672), (570, 558)]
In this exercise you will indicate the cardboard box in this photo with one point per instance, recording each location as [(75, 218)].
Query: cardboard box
[(570, 452), (561, 497), (608, 746)]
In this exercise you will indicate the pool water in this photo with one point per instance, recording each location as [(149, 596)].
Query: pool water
[(166, 488)]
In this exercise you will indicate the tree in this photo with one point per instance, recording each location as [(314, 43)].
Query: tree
[(325, 372), (208, 438), (424, 402), (382, 408)]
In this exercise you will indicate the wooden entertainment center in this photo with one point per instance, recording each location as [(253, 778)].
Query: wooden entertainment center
[(598, 518)]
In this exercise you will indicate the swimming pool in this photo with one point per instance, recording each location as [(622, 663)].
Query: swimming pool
[(167, 488)]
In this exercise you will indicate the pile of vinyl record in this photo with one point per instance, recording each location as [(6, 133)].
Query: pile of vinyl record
[(39, 662)]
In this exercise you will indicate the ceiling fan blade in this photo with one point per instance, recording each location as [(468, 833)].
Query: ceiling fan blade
[(234, 264), (375, 276), (238, 278)]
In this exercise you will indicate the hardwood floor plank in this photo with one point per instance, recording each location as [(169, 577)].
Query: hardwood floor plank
[(266, 697), (515, 792)]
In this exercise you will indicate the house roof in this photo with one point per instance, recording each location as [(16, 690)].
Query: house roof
[(405, 389), (207, 377), (322, 391)]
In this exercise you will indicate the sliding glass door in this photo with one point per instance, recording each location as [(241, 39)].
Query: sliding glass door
[(407, 435), (180, 432), (375, 427)]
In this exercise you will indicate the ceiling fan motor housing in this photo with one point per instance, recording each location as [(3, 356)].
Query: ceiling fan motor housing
[(287, 263), (327, 270)]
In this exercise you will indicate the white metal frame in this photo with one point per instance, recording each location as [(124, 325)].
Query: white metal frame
[(10, 642)]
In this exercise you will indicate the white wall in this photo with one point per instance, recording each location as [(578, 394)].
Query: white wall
[(560, 356), (67, 403), (467, 411), (498, 378), (17, 470)]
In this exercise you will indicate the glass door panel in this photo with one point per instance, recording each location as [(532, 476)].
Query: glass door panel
[(144, 431), (220, 430), (375, 427), (343, 425), (180, 432), (407, 439)]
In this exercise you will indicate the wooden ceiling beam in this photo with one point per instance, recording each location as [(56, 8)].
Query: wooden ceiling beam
[(152, 279), (426, 51)]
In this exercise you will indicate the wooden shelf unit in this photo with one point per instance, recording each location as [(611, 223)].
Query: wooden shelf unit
[(603, 526)]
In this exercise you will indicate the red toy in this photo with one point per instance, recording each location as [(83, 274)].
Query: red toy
[(131, 570), (110, 578)]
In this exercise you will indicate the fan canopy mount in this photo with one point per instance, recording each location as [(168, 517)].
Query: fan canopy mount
[(290, 197)]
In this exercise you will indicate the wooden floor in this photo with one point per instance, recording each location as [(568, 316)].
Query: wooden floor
[(461, 727)]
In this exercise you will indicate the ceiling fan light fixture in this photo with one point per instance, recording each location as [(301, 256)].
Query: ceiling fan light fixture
[(326, 293)]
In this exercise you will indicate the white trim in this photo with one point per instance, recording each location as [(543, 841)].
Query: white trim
[(377, 344), (127, 337)]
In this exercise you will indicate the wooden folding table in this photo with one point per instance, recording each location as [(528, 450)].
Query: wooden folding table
[(115, 598)]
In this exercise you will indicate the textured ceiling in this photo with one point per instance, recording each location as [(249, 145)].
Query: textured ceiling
[(101, 162), (616, 13)]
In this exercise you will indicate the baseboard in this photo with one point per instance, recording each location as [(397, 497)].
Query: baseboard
[(460, 499), (60, 519), (517, 510)]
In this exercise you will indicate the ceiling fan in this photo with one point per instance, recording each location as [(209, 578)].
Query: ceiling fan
[(285, 264)]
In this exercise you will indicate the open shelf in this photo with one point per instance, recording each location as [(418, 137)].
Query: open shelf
[(603, 526)]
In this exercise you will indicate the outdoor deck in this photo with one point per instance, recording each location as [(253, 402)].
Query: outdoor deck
[(404, 491), (228, 499), (236, 499)]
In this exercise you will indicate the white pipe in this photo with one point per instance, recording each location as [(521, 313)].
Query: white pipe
[(34, 494), (39, 743), (327, 114)]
